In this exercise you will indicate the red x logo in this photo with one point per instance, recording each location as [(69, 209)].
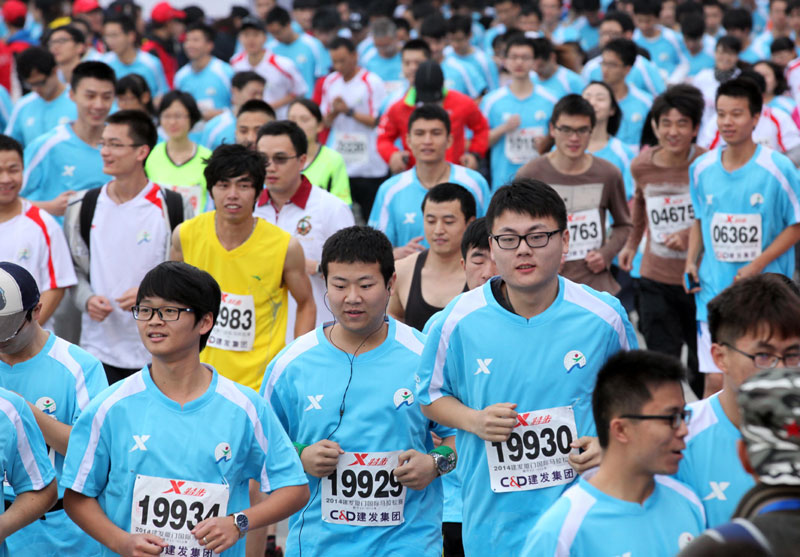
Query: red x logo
[(522, 419), (360, 459), (176, 487), (730, 218)]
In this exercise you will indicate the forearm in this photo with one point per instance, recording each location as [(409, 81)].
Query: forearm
[(785, 240), (695, 242), (306, 317), (56, 434), (280, 504), (496, 134), (365, 119), (639, 219), (615, 242), (26, 508), (283, 101), (450, 412), (50, 300), (90, 517)]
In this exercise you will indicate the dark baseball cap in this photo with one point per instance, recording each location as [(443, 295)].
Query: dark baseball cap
[(429, 82), (251, 22)]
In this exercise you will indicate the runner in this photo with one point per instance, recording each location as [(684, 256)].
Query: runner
[(208, 78), (124, 484), (245, 86), (67, 44), (252, 115), (124, 56), (619, 56)]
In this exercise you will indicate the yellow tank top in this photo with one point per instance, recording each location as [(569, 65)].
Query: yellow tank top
[(251, 326)]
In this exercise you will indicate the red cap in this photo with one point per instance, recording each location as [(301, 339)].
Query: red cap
[(85, 6), (163, 12), (14, 10)]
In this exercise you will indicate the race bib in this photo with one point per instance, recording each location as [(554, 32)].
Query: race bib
[(736, 238), (194, 194), (170, 509), (667, 215), (585, 233), (536, 454), (353, 147), (362, 491), (235, 328), (521, 144)]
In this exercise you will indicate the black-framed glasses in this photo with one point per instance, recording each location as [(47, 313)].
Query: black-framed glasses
[(533, 239), (675, 420), (568, 131), (165, 313), (764, 360), (279, 160), (115, 145)]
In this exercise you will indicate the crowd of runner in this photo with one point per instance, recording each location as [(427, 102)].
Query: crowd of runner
[(387, 271)]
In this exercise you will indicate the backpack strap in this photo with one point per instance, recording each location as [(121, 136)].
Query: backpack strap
[(88, 205), (740, 530), (174, 207)]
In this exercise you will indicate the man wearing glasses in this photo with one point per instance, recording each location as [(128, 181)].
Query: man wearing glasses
[(754, 325), (590, 187), (638, 408), (129, 234), (522, 414)]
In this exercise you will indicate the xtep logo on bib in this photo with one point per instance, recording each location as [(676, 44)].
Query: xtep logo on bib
[(314, 400), (717, 491), (139, 441), (46, 405), (483, 366), (410, 218), (68, 170), (403, 396), (684, 540), (574, 358), (222, 452)]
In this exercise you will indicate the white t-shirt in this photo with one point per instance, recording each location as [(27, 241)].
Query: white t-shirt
[(357, 143), (127, 240), (281, 74), (312, 224), (775, 129)]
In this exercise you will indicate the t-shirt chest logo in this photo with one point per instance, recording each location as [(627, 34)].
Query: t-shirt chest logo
[(23, 255), (46, 405), (222, 452), (30, 121), (143, 237), (403, 397), (573, 359), (69, 170), (304, 225)]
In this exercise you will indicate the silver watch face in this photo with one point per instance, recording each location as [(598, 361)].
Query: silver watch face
[(443, 464)]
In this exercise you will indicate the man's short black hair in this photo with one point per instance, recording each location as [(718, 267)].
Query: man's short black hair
[(94, 69), (8, 143), (742, 88), (527, 196), (141, 128), (126, 23), (475, 236), (35, 58), (623, 18), (433, 26), (429, 112), (686, 99), (359, 244), (781, 44), (626, 382), (186, 100), (750, 305), (180, 283), (231, 160), (543, 49), (285, 127), (326, 18), (647, 7), (256, 105), (737, 18), (207, 31), (522, 40), (278, 15), (449, 191), (573, 105), (241, 79), (460, 23), (417, 44), (74, 33), (625, 49), (136, 85), (342, 42), (692, 27), (729, 43)]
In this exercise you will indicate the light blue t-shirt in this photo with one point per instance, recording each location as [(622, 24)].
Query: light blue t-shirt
[(390, 70), (562, 82), (33, 116), (785, 104), (481, 62), (516, 148), (489, 36), (585, 519), (60, 381), (227, 436), (665, 50), (220, 129), (755, 202), (697, 62), (379, 416), (211, 86), (59, 161), (635, 108), (304, 56), (644, 75), (146, 65), (463, 78), (553, 362), (620, 155), (6, 106), (23, 453), (397, 210), (711, 465), (579, 30)]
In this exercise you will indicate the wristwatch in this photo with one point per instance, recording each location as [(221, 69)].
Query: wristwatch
[(350, 112), (444, 458), (241, 522)]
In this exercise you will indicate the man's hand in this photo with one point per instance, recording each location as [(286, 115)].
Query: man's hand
[(595, 262), (339, 106), (495, 422), (589, 458), (217, 534), (58, 206), (750, 270), (311, 266), (320, 459), (676, 241), (691, 270), (415, 470), (512, 123), (98, 307), (625, 259), (139, 545), (128, 298), (413, 246), (470, 160), (398, 162)]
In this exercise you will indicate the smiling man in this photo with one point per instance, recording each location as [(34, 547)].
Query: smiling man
[(641, 424)]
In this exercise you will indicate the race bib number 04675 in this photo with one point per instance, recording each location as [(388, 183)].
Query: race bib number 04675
[(536, 454), (362, 491)]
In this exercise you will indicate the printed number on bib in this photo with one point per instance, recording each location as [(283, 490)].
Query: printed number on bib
[(536, 454), (585, 233), (235, 328), (520, 144), (192, 193), (362, 491), (668, 214), (736, 238), (170, 509), (354, 148)]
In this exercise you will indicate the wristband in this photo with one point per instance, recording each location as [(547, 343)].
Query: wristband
[(443, 450), (444, 459), (350, 112), (299, 447)]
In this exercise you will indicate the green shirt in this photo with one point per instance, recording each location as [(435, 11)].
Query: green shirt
[(329, 172), (187, 179)]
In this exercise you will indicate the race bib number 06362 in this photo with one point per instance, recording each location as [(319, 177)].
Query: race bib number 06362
[(736, 238), (536, 454), (362, 491)]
